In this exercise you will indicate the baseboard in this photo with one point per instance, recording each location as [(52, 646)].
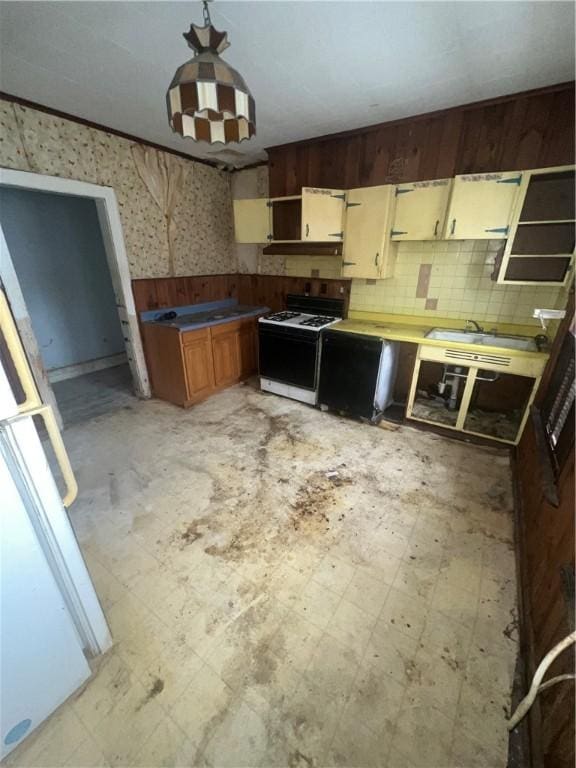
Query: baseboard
[(78, 369)]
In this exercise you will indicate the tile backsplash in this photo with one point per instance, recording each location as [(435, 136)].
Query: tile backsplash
[(452, 279)]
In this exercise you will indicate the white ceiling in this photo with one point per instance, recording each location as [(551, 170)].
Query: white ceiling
[(313, 67)]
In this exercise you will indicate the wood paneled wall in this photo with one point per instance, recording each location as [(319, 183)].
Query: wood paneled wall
[(545, 538), (264, 290), (529, 130)]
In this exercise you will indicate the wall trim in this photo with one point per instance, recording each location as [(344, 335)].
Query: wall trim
[(89, 366)]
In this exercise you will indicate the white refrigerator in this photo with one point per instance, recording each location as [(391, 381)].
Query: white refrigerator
[(51, 622)]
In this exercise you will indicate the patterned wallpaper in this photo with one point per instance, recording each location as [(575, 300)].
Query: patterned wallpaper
[(34, 141)]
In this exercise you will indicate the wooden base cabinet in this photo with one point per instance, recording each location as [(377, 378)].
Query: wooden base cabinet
[(186, 367)]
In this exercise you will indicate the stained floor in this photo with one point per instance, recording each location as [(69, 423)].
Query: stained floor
[(289, 588)]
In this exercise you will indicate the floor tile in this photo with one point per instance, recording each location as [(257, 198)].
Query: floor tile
[(392, 652), (405, 612), (204, 702), (375, 700), (333, 667), (356, 745), (351, 626), (457, 604), (334, 573), (167, 746), (317, 604), (296, 639), (423, 735), (366, 592), (239, 739), (111, 680), (122, 731)]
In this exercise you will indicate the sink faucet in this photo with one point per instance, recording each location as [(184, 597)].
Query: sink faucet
[(478, 328)]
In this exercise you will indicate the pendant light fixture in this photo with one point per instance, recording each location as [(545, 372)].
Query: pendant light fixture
[(207, 99)]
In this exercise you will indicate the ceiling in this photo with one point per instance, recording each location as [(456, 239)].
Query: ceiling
[(313, 67)]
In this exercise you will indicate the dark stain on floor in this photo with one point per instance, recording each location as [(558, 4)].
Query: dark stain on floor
[(155, 690), (316, 498), (190, 534)]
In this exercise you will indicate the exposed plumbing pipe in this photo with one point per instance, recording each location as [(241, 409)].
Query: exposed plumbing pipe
[(537, 685)]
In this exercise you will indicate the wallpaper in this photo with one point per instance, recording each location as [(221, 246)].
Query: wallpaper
[(452, 279), (203, 243)]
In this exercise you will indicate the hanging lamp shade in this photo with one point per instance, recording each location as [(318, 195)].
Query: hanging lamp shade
[(207, 99)]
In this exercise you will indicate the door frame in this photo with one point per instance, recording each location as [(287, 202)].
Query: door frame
[(116, 256)]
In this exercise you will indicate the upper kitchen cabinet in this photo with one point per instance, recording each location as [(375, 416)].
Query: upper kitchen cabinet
[(421, 210), (540, 247), (251, 220), (368, 250), (481, 206), (315, 216), (323, 214)]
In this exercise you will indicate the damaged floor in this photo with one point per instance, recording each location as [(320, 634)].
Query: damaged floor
[(289, 588)]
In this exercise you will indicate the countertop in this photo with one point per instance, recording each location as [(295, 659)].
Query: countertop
[(414, 329), (192, 317)]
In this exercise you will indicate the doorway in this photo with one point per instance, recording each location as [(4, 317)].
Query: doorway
[(65, 272)]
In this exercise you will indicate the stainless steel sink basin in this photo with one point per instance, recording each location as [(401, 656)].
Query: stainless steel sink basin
[(524, 343)]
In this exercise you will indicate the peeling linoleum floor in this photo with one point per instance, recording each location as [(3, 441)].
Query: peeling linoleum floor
[(288, 588)]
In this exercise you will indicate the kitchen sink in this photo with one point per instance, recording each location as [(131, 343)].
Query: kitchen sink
[(524, 343)]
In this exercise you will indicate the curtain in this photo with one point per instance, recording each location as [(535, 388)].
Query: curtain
[(164, 176)]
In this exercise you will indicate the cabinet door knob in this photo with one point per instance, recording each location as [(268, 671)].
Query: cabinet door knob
[(436, 228), (307, 230), (453, 227), (376, 259)]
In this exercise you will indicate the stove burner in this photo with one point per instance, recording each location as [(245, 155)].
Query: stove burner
[(316, 322), (281, 317)]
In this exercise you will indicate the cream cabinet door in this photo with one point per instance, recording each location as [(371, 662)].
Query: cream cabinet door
[(251, 221), (421, 210), (367, 250), (481, 206), (322, 214)]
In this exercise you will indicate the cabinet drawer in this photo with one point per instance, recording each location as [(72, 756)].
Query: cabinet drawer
[(221, 330), (193, 337)]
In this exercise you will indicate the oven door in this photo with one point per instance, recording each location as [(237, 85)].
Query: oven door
[(288, 355)]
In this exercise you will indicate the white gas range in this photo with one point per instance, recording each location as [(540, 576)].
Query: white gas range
[(289, 344)]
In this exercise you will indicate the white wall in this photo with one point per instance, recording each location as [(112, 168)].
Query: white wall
[(57, 249)]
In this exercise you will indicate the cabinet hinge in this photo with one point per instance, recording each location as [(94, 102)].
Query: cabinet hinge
[(352, 205), (336, 234), (498, 230), (515, 180), (269, 237), (339, 197), (269, 204), (348, 263), (402, 191), (397, 232)]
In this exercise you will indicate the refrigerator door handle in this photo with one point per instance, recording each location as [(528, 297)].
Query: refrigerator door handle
[(47, 415), (32, 405), (18, 356)]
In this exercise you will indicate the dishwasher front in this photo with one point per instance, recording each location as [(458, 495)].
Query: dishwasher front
[(357, 374)]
